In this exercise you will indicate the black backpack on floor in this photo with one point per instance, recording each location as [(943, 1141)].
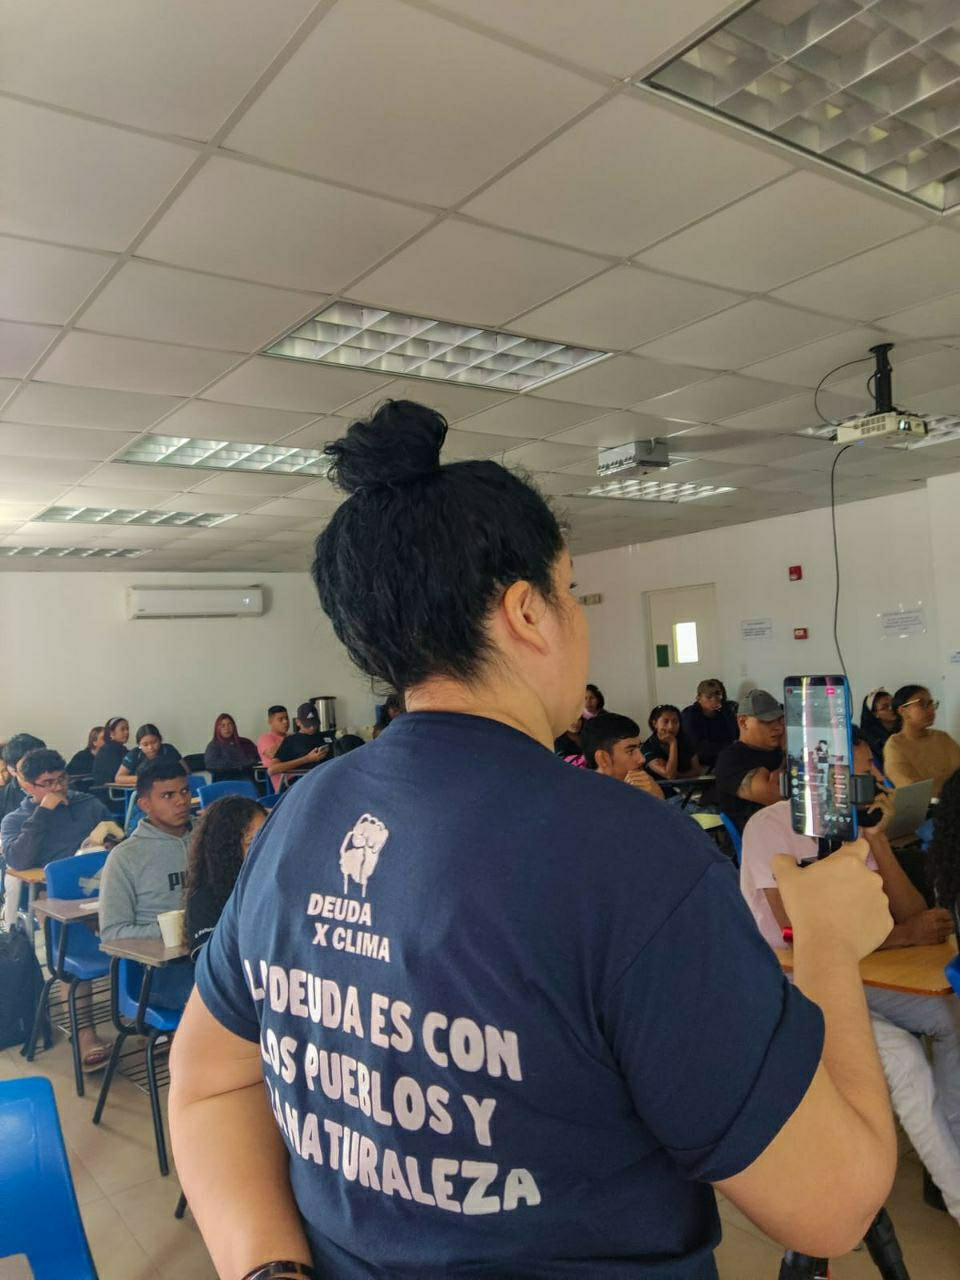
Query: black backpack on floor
[(21, 982)]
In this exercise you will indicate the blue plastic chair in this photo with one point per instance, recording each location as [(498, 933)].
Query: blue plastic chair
[(238, 787), (73, 951), (40, 1216), (271, 799), (953, 974), (134, 1013), (735, 837), (198, 780)]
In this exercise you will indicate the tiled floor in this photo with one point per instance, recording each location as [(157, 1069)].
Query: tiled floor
[(128, 1208)]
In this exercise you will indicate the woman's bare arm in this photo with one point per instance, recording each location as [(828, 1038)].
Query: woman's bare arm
[(230, 1155)]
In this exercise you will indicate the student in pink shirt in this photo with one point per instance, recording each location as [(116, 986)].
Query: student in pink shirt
[(267, 743)]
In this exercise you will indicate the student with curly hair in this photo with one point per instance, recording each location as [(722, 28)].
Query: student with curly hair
[(944, 851), (220, 843), (668, 752)]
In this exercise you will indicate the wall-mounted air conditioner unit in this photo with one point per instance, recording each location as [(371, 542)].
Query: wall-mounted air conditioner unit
[(194, 602)]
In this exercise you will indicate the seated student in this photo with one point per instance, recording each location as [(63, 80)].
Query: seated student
[(300, 750), (227, 753), (667, 751), (611, 745), (709, 724), (927, 1102), (944, 852), (748, 770), (109, 758), (219, 845), (80, 764), (570, 744), (11, 793), (593, 702), (150, 746), (918, 751), (279, 720), (52, 821), (388, 712), (878, 721)]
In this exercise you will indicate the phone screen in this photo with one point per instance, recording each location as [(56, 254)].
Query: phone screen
[(819, 756)]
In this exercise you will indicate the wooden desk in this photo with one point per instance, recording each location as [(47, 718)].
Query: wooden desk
[(68, 910), (918, 971), (34, 878), (689, 785), (16, 1267), (146, 951)]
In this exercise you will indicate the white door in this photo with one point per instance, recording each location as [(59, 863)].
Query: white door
[(684, 646)]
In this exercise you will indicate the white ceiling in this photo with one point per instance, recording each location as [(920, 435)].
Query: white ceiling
[(190, 179)]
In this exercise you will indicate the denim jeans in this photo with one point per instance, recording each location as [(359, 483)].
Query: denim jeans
[(926, 1099)]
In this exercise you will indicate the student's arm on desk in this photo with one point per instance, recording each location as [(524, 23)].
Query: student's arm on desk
[(819, 1183), (761, 786), (231, 1158)]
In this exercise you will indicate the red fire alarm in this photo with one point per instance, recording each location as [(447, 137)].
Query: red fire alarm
[(796, 573), (801, 633)]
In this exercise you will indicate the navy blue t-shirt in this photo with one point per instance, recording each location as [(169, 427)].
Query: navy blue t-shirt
[(513, 1016)]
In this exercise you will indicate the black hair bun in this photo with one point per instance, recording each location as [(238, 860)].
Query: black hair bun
[(400, 443)]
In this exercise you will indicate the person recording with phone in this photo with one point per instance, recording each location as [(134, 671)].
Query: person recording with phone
[(927, 1100)]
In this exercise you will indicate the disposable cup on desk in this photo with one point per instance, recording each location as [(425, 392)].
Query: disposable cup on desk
[(171, 928)]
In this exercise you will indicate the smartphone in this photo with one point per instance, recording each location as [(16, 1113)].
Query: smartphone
[(820, 756)]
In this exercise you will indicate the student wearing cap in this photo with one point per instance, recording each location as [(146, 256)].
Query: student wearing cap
[(303, 749), (709, 724), (748, 770)]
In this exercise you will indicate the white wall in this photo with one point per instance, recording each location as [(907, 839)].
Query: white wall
[(71, 659), (894, 552)]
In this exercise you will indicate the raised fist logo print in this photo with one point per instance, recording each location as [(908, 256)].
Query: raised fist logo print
[(360, 851)]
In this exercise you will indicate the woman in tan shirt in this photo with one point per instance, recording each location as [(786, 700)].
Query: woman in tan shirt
[(919, 751)]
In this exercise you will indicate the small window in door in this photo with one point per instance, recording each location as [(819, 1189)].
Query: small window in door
[(685, 647)]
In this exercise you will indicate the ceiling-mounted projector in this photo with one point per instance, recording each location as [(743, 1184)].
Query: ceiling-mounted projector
[(894, 428), (872, 425), (645, 454)]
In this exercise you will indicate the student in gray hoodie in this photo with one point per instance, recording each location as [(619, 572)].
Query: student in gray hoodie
[(144, 874)]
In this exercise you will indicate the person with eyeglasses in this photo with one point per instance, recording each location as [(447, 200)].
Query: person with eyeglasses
[(52, 821), (709, 724), (919, 751)]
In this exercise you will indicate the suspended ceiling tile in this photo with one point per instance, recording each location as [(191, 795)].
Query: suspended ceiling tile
[(291, 384), (596, 185), (80, 183), (208, 420), (55, 405), (939, 321), (743, 335), (716, 399), (530, 418), (623, 308), (473, 275), (177, 67), (45, 283), (60, 442), (618, 428), (284, 230), (743, 247), (128, 364), (496, 103), (622, 382), (168, 305), (914, 269), (21, 345), (606, 36)]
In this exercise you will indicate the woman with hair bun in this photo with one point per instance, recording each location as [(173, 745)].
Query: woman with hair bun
[(116, 733), (513, 1018)]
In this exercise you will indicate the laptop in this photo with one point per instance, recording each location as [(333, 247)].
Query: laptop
[(911, 805)]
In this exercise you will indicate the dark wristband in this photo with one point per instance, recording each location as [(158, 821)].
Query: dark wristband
[(281, 1271)]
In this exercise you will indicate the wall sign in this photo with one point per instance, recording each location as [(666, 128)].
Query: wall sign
[(756, 628), (899, 624)]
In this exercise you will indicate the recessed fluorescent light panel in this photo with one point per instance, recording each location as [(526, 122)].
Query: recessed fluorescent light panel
[(114, 515), (73, 553), (642, 490), (387, 342), (872, 86), (220, 455)]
